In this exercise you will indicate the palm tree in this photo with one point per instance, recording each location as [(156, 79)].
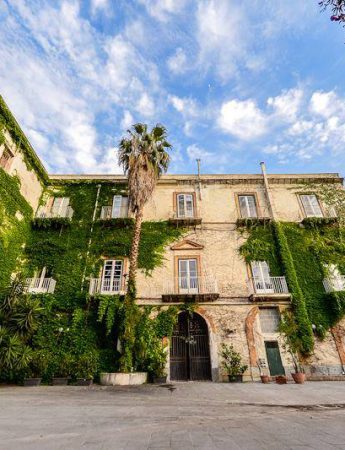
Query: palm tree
[(144, 158)]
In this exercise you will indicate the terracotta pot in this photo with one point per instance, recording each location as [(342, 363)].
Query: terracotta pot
[(281, 379), (298, 377), (265, 379)]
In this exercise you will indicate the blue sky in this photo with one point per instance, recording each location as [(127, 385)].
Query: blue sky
[(235, 82)]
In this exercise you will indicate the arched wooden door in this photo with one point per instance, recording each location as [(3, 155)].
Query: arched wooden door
[(190, 349)]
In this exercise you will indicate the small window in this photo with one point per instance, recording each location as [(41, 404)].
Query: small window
[(269, 320), (120, 206), (112, 275), (188, 280), (185, 205), (311, 205), (6, 158), (60, 207), (247, 206)]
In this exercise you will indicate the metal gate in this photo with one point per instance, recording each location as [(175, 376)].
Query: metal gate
[(189, 349)]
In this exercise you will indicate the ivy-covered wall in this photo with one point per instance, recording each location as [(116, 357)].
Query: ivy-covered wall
[(15, 217), (301, 253)]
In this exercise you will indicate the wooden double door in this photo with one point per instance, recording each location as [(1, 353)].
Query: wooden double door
[(190, 349)]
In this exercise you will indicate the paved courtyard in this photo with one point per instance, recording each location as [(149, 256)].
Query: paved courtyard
[(192, 416)]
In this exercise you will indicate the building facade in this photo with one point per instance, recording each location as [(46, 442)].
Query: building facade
[(238, 299)]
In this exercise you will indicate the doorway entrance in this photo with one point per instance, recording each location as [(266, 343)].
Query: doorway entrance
[(274, 359), (190, 349)]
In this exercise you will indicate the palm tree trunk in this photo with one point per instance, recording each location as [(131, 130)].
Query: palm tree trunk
[(133, 260)]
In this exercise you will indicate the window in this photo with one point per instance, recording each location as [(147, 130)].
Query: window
[(188, 281), (311, 205), (335, 279), (269, 320), (261, 277), (112, 276), (60, 207), (120, 206), (185, 205), (5, 158), (247, 206)]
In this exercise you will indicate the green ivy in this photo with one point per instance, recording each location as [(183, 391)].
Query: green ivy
[(8, 121), (299, 253)]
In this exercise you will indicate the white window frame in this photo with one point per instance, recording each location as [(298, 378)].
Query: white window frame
[(119, 207), (246, 209), (187, 211), (113, 281), (261, 277), (188, 278), (311, 205), (60, 210)]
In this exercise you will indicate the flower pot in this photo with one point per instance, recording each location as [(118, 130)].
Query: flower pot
[(84, 382), (265, 379), (60, 381), (159, 380), (32, 381), (235, 378), (123, 379), (298, 377), (281, 379)]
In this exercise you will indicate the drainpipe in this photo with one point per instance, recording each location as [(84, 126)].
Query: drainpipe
[(199, 179), (267, 191), (90, 239)]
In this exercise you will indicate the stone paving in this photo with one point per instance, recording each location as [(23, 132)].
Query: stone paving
[(192, 416)]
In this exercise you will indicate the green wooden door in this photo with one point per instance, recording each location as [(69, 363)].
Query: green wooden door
[(273, 358)]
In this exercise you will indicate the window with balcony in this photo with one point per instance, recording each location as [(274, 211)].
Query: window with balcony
[(119, 208), (269, 320), (41, 283), (188, 280), (311, 205), (248, 208), (112, 276), (335, 281), (185, 205), (6, 158), (263, 283), (56, 207)]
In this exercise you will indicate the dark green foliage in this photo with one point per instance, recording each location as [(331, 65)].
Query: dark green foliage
[(15, 216), (56, 222), (300, 253), (313, 222), (9, 122)]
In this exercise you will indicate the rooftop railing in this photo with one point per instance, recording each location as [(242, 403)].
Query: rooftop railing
[(335, 284), (44, 213), (108, 213), (271, 285), (40, 285), (106, 286)]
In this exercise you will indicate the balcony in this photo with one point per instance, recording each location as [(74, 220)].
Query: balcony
[(252, 221), (108, 214), (270, 289), (193, 289), (62, 213), (335, 284), (107, 287), (40, 285), (184, 220)]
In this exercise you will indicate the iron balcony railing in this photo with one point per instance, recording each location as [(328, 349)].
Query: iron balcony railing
[(335, 284), (40, 285), (44, 213), (107, 286), (191, 285), (270, 285), (108, 213)]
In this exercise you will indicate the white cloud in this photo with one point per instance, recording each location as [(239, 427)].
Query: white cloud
[(326, 104), (242, 119), (127, 120), (163, 9), (287, 105), (177, 62), (99, 5), (186, 106), (146, 105)]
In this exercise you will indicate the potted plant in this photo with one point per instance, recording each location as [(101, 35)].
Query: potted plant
[(264, 377), (288, 329), (36, 367), (62, 369), (84, 368), (232, 363)]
